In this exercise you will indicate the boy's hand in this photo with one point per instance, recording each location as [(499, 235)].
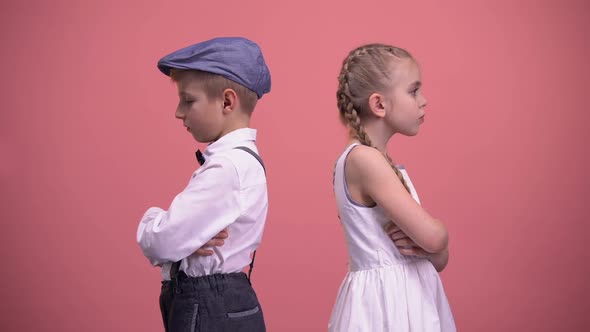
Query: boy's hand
[(404, 244), (216, 241)]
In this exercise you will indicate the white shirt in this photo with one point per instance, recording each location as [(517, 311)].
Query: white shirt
[(228, 190)]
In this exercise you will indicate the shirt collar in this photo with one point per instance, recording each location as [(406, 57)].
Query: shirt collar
[(231, 140)]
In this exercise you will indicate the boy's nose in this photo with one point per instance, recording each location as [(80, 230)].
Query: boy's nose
[(178, 114)]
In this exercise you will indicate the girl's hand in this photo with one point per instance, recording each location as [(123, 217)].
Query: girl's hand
[(216, 241), (404, 244), (408, 247)]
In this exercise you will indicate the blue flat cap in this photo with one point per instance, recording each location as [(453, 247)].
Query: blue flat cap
[(235, 58)]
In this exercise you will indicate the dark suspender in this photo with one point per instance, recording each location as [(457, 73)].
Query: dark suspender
[(176, 265), (255, 155)]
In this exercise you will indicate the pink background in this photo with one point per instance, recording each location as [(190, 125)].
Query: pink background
[(88, 141)]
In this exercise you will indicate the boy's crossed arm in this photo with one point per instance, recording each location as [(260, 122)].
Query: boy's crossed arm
[(216, 241), (198, 217)]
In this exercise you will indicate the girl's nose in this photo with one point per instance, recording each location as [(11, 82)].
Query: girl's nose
[(424, 102)]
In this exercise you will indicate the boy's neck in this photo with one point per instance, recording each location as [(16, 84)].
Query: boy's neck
[(235, 125)]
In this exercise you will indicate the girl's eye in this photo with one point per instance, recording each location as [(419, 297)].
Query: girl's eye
[(414, 92)]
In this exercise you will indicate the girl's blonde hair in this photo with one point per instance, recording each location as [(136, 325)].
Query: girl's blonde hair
[(366, 70)]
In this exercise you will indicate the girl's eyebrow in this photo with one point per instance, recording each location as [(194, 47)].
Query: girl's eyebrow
[(416, 85)]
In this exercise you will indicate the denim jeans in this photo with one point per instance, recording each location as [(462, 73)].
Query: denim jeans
[(216, 303)]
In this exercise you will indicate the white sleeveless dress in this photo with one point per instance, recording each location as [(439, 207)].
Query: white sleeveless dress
[(383, 290)]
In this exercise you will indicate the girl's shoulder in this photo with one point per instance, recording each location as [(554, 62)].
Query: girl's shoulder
[(364, 158)]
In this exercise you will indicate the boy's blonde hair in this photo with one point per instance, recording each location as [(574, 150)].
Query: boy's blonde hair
[(366, 70), (214, 85)]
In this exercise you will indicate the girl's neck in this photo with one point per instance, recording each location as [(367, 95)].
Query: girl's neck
[(379, 136)]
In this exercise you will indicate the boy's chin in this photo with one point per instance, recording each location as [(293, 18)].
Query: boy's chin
[(199, 138), (205, 139)]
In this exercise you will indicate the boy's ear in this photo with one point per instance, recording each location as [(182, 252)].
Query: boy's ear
[(230, 100), (377, 105)]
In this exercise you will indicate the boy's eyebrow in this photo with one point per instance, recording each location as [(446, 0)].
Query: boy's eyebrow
[(184, 94)]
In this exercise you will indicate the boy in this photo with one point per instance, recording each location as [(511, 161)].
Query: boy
[(219, 82)]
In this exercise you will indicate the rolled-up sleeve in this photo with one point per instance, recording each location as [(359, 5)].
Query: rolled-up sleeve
[(207, 205)]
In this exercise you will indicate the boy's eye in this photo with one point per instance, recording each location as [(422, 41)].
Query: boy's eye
[(414, 92)]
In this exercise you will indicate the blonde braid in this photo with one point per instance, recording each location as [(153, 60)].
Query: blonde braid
[(348, 112)]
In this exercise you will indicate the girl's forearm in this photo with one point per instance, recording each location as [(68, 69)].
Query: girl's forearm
[(440, 259)]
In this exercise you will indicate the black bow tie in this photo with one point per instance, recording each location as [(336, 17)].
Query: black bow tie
[(200, 157)]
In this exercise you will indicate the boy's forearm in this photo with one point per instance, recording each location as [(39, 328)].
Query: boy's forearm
[(164, 239), (157, 237), (149, 239), (209, 204)]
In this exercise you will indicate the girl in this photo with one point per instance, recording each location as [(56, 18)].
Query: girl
[(395, 247)]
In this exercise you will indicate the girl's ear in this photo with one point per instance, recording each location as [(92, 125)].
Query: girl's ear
[(377, 105)]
